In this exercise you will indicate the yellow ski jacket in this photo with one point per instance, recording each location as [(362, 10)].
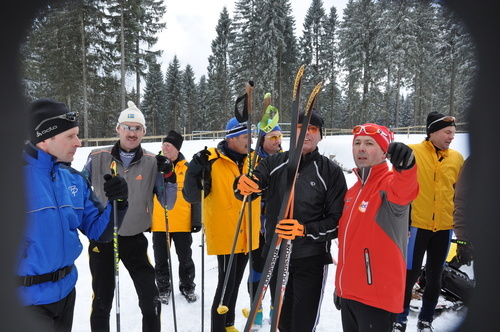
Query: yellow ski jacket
[(438, 172)]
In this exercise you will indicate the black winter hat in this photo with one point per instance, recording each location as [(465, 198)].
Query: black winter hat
[(437, 121), (175, 139), (49, 118), (316, 120)]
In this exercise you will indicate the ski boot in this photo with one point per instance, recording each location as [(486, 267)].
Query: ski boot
[(189, 295), (398, 327), (165, 296), (424, 326)]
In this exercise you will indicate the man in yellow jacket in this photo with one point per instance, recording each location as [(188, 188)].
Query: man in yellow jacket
[(431, 215), (183, 219), (215, 170)]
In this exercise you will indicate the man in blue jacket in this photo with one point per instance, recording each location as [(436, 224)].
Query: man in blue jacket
[(59, 202)]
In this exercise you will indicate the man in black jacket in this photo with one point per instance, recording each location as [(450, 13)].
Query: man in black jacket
[(318, 200)]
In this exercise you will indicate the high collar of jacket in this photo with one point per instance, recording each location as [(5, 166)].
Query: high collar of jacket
[(308, 157), (180, 157), (38, 157), (364, 173), (115, 152), (433, 149), (225, 150)]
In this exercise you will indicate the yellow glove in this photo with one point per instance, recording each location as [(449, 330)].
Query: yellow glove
[(289, 229), (247, 186)]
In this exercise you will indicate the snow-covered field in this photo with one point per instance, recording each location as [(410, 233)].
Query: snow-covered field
[(189, 314)]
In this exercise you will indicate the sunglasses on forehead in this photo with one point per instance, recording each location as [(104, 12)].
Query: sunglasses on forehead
[(368, 129), (274, 137), (70, 116), (131, 128), (311, 128), (444, 118)]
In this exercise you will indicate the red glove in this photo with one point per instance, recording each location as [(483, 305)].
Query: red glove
[(289, 229), (248, 186)]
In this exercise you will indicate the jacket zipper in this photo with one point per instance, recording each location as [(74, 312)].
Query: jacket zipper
[(368, 267)]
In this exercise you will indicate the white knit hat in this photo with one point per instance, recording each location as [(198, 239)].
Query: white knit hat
[(132, 114)]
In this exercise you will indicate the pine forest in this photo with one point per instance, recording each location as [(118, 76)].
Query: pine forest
[(389, 62)]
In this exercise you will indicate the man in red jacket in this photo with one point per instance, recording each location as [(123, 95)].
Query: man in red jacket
[(373, 232)]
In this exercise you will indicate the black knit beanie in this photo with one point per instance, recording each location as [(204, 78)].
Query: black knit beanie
[(175, 139), (434, 125), (49, 118), (316, 120)]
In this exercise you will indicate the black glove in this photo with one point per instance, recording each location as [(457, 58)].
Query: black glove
[(401, 156), (164, 164), (201, 157), (195, 229), (465, 252), (336, 299), (116, 188)]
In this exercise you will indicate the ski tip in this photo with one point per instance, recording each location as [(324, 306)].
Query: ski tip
[(251, 83), (267, 95)]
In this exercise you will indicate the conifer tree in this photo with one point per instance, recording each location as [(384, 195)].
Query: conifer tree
[(154, 103), (219, 99), (173, 80), (190, 103)]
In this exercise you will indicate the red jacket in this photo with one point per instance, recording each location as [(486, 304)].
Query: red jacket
[(373, 237)]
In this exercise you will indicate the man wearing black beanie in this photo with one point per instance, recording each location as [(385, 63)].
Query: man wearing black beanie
[(438, 168), (59, 203), (183, 219)]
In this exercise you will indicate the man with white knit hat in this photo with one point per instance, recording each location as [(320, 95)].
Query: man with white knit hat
[(146, 175)]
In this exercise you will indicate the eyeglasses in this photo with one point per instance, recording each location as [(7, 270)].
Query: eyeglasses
[(274, 137), (131, 128), (70, 116), (368, 129), (444, 118), (311, 128)]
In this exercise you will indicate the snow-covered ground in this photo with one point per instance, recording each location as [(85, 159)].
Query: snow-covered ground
[(189, 314)]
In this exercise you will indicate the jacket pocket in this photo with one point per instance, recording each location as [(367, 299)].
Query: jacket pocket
[(368, 267)]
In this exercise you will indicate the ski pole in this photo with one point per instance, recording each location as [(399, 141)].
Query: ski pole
[(116, 253), (249, 90), (222, 309), (202, 253), (169, 255)]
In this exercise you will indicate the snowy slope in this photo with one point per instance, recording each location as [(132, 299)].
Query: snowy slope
[(189, 314)]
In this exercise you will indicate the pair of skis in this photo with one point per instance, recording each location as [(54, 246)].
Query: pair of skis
[(278, 251)]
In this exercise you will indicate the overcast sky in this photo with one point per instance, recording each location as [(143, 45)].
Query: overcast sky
[(191, 28)]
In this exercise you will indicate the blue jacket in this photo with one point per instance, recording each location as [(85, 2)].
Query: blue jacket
[(59, 202)]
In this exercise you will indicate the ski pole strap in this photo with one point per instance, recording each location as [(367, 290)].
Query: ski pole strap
[(264, 125), (242, 116), (28, 281)]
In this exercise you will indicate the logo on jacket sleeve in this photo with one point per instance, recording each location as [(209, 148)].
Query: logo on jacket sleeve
[(363, 206), (73, 189)]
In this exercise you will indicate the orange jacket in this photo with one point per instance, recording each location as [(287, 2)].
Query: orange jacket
[(373, 237)]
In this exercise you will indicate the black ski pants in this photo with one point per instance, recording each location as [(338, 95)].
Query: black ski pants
[(359, 317), (183, 242), (258, 262), (219, 322), (133, 254), (57, 316), (435, 245), (303, 294)]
